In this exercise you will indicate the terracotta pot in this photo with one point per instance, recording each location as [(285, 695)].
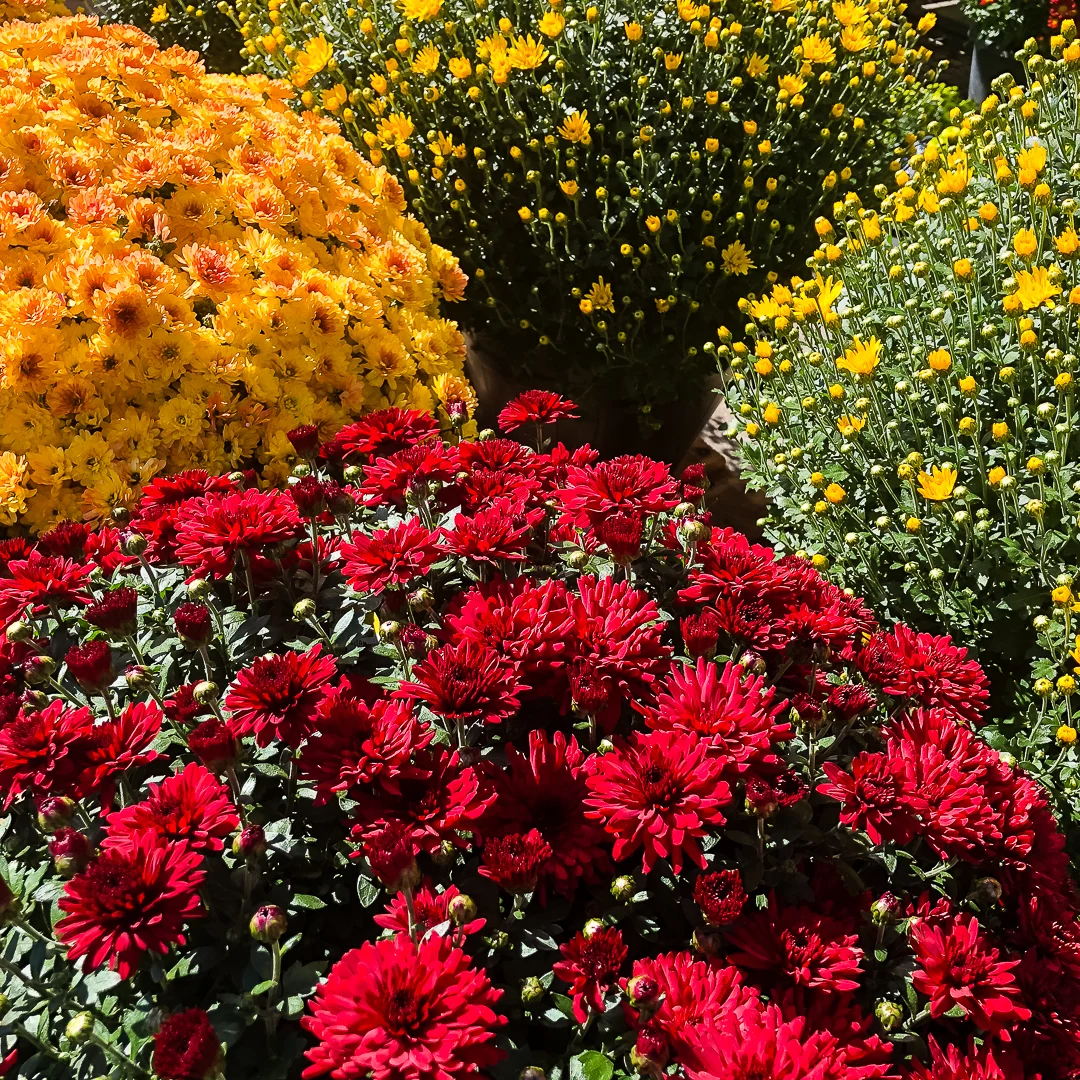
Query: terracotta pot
[(611, 426)]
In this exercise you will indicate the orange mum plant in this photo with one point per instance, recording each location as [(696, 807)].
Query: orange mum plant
[(188, 270)]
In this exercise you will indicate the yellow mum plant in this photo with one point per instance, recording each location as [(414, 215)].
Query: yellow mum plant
[(928, 365), (610, 173), (188, 270)]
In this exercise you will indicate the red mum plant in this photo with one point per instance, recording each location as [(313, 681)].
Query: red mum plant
[(394, 1009), (539, 407), (448, 725)]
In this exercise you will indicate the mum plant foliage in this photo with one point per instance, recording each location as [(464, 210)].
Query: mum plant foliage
[(911, 407), (189, 270), (610, 174), (474, 759)]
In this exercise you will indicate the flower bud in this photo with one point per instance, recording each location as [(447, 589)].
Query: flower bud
[(19, 630), (134, 544), (38, 669), (138, 677), (268, 924), (80, 1028), (888, 1014), (54, 813), (577, 559), (390, 630), (885, 909), (707, 941), (461, 909), (623, 888), (986, 892), (205, 692), (651, 1051), (250, 843), (304, 609), (532, 1072), (592, 927), (70, 851), (532, 990), (695, 530), (199, 590), (193, 624), (353, 474), (642, 991)]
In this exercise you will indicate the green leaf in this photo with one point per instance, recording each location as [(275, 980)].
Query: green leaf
[(590, 1065), (306, 900), (367, 891)]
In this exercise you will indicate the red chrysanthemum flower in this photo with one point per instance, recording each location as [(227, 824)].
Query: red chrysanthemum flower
[(192, 805), (91, 665), (621, 533), (693, 482), (691, 992), (930, 671), (216, 530), (757, 1042), (799, 946), (591, 966), (15, 548), (115, 746), (546, 790), (616, 630), (355, 743), (660, 791), (304, 439), (465, 682), (632, 483), (429, 909), (500, 532), (701, 634), (193, 623), (391, 854), (130, 901), (417, 471), (104, 550), (732, 710), (67, 540), (389, 558), (115, 612), (437, 798), (514, 861), (875, 796), (41, 752), (40, 582), (720, 896), (186, 1047), (380, 434), (539, 407), (160, 502), (276, 697), (213, 744), (958, 969), (394, 1010)]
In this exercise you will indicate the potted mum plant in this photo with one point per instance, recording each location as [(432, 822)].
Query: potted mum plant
[(611, 176)]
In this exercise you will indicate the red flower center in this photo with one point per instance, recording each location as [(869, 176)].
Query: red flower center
[(114, 886), (404, 1014), (658, 786)]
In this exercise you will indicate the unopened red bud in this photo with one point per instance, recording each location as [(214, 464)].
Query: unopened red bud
[(54, 813), (250, 843), (642, 991), (461, 909), (38, 669), (268, 924)]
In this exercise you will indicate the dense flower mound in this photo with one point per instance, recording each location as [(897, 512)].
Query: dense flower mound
[(610, 173), (302, 782), (189, 271), (909, 406)]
